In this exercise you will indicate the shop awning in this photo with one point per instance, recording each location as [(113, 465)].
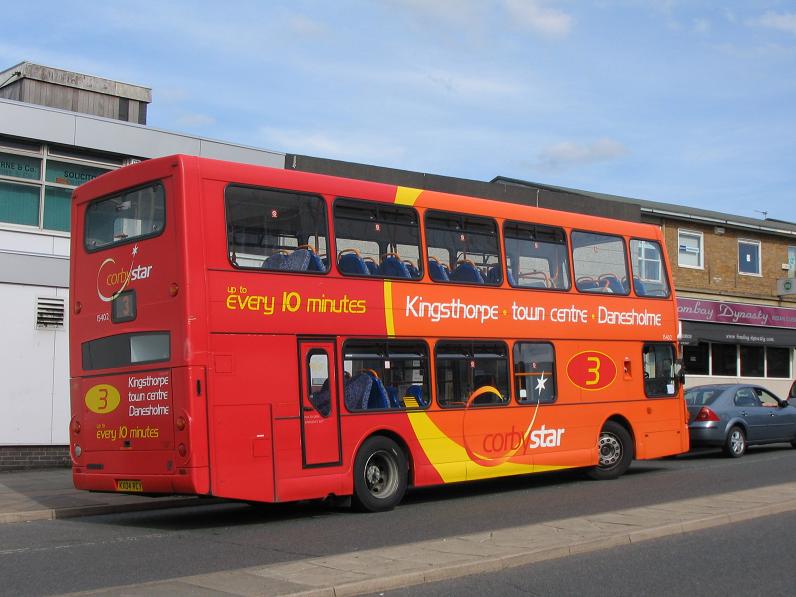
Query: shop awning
[(695, 332)]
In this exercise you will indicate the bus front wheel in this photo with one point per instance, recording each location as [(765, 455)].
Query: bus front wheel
[(380, 475), (615, 448)]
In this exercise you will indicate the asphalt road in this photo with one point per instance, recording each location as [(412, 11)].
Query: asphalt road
[(749, 558), (60, 556)]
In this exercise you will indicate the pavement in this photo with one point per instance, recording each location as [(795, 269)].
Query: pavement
[(36, 495), (47, 494)]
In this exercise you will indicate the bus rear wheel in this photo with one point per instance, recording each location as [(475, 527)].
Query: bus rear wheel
[(616, 449), (380, 475)]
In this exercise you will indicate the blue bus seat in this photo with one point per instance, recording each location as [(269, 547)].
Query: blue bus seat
[(467, 272), (393, 267), (351, 263), (494, 275), (357, 391), (436, 271)]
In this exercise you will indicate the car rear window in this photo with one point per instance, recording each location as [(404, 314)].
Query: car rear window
[(702, 396)]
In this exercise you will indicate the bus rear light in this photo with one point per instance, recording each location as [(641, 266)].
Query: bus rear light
[(182, 450), (706, 414), (75, 426), (78, 307), (181, 424), (174, 289), (78, 450)]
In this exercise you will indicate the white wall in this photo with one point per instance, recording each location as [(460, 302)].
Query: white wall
[(34, 370)]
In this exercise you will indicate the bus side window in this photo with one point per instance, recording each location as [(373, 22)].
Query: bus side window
[(463, 249), (536, 256), (471, 374), (385, 375), (600, 264), (276, 230), (534, 373), (378, 240), (659, 377), (649, 273)]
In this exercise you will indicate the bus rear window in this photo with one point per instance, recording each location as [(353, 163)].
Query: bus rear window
[(123, 350), (134, 214)]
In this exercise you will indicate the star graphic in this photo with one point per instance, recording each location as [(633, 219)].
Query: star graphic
[(540, 383), (135, 250)]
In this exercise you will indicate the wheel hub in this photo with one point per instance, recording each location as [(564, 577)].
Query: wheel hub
[(610, 450)]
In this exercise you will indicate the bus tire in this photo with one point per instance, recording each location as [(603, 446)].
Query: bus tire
[(615, 446), (380, 475)]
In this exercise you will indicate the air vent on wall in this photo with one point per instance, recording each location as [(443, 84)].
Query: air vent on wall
[(49, 313)]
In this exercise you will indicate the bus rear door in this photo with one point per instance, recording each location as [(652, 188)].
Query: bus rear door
[(320, 409)]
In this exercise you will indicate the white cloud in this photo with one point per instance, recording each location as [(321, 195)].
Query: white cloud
[(534, 15), (784, 22), (333, 144), (571, 153), (701, 26)]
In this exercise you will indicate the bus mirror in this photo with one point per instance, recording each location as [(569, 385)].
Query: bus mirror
[(679, 371)]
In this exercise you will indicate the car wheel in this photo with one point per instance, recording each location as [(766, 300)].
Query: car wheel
[(616, 449), (735, 444), (380, 475)]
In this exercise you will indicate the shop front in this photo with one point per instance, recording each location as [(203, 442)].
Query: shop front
[(726, 342)]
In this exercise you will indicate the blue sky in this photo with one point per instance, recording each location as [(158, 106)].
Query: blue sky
[(690, 102)]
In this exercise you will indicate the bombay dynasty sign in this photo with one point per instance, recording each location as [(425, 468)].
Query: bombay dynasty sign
[(736, 313)]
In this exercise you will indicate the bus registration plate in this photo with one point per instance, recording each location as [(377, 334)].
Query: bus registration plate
[(129, 485)]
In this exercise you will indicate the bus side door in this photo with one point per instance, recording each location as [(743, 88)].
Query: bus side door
[(320, 406)]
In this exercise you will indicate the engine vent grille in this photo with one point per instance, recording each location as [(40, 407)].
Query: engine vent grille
[(49, 313)]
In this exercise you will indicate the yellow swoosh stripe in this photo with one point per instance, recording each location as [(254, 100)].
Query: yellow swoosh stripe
[(406, 195)]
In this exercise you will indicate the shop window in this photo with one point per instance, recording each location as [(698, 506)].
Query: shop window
[(57, 204), (471, 374), (696, 359), (19, 204), (71, 174), (20, 166), (534, 373), (749, 257), (778, 362), (689, 249), (724, 359), (536, 256), (658, 362), (276, 230), (649, 273), (379, 240), (385, 375), (463, 249), (600, 264), (752, 361)]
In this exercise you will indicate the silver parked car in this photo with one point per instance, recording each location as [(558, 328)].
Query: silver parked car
[(734, 416)]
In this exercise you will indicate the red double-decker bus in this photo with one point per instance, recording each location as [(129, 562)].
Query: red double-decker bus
[(270, 335)]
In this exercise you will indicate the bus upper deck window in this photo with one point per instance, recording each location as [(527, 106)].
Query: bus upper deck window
[(463, 249), (649, 273), (276, 230), (375, 239), (600, 264), (536, 256), (134, 214)]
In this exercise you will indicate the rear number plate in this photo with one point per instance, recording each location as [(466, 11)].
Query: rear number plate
[(129, 485)]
